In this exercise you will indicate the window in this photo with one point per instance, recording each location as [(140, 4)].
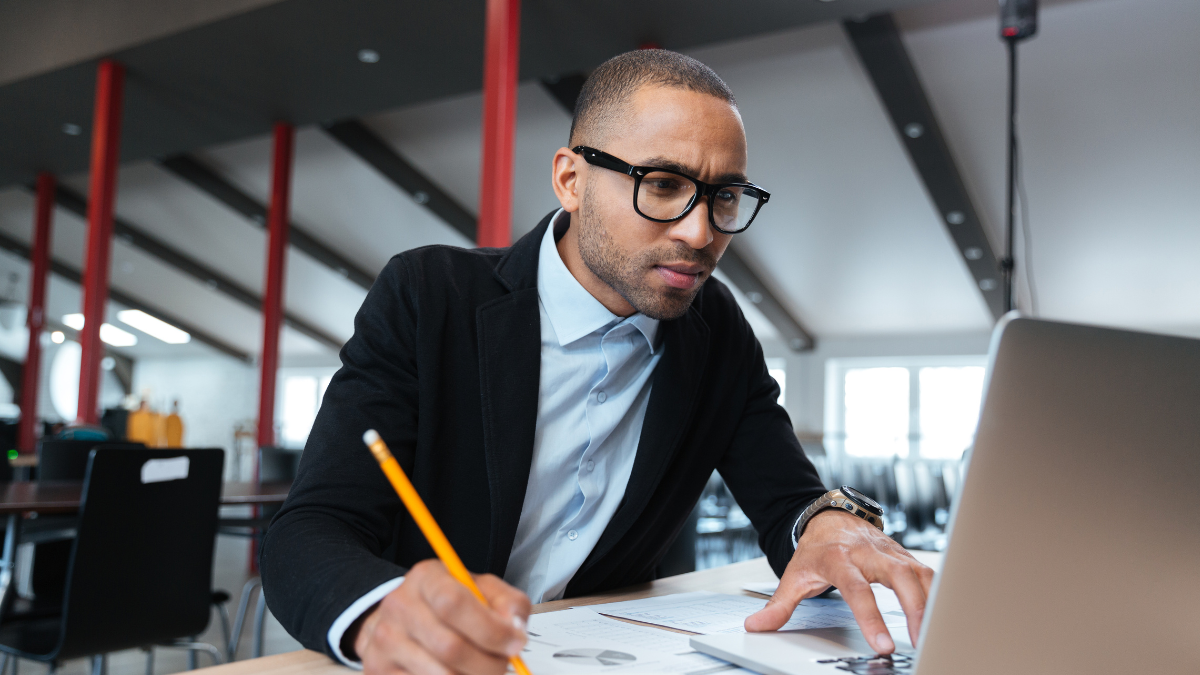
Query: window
[(777, 368), (903, 407), (300, 399)]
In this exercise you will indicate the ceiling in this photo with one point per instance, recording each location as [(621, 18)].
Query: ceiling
[(850, 242)]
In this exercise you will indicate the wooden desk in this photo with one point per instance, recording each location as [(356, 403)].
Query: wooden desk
[(63, 497), (727, 579)]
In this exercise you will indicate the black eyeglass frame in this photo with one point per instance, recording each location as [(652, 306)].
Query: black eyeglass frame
[(606, 161)]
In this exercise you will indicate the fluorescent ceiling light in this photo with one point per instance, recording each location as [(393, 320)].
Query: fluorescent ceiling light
[(109, 333), (154, 327), (116, 337)]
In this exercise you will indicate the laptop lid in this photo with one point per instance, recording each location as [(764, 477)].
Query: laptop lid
[(1073, 544)]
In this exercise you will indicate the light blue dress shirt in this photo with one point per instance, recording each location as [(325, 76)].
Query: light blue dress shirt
[(592, 396)]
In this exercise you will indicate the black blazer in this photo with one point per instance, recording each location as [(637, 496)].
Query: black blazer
[(444, 364)]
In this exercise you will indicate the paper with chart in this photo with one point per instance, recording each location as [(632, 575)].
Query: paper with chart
[(705, 613), (581, 641)]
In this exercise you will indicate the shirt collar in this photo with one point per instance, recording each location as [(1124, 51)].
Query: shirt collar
[(573, 311)]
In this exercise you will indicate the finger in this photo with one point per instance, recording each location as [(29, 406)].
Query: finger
[(793, 587), (455, 606), (857, 593), (389, 651), (450, 647), (898, 574), (506, 600), (409, 656)]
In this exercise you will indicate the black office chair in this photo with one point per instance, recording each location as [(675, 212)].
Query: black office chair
[(58, 460), (68, 460), (140, 570)]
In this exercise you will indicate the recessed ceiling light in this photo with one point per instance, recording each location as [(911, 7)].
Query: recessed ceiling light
[(368, 56), (955, 218), (58, 337), (72, 129)]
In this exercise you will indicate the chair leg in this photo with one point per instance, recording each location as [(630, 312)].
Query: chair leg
[(239, 620), (149, 660), (99, 665), (191, 658), (223, 613), (193, 647), (260, 615)]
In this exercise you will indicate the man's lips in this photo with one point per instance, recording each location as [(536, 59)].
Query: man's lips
[(682, 276)]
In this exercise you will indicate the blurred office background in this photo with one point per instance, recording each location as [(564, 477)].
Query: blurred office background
[(873, 301)]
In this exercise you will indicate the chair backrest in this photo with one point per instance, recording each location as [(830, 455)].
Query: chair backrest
[(141, 567), (68, 459)]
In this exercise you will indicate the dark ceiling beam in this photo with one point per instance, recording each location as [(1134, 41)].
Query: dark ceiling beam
[(75, 276), (881, 50), (373, 150), (200, 176), (173, 257), (793, 333), (565, 90)]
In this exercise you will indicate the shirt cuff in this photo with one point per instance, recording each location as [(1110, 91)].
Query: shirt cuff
[(795, 543), (348, 617)]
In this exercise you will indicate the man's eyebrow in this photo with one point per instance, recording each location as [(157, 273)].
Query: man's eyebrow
[(672, 165)]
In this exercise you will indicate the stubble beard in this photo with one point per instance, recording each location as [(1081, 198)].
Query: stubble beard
[(626, 274)]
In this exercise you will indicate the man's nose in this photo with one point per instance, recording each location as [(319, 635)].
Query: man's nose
[(693, 229)]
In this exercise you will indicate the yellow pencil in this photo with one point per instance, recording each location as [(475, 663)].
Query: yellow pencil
[(429, 527)]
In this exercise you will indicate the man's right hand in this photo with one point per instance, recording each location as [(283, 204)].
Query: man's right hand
[(432, 625)]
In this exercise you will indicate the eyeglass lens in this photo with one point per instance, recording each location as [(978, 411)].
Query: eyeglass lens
[(665, 196)]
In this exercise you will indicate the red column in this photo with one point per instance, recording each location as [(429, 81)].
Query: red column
[(500, 64), (106, 142), (39, 265), (272, 311)]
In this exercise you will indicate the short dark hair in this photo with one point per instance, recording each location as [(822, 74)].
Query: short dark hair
[(609, 87)]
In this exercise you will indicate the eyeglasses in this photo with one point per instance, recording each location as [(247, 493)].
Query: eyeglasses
[(664, 196)]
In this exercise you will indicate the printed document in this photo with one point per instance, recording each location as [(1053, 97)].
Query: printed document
[(707, 613), (581, 641)]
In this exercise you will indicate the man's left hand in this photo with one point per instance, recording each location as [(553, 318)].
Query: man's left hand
[(840, 550)]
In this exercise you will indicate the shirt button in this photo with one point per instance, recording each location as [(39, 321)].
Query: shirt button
[(591, 465), (572, 535), (602, 397)]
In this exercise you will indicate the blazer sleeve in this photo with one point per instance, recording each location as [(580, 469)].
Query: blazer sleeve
[(765, 468), (324, 548)]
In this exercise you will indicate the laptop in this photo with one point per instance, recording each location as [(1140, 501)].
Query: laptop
[(1073, 546)]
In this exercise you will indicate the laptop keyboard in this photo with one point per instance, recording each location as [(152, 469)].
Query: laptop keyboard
[(880, 664)]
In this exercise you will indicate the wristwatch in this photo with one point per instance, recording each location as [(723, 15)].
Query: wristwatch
[(849, 500)]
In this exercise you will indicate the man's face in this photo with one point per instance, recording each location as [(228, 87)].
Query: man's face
[(658, 268)]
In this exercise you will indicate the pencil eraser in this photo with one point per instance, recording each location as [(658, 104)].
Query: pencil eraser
[(370, 437)]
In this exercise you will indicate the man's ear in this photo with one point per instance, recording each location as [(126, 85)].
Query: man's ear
[(567, 180)]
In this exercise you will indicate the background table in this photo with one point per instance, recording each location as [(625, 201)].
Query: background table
[(727, 579), (63, 497)]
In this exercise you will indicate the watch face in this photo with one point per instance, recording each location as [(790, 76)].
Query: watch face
[(862, 500)]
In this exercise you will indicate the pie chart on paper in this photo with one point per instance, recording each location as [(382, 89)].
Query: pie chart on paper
[(595, 657)]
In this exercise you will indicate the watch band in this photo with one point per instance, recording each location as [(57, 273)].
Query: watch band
[(836, 499)]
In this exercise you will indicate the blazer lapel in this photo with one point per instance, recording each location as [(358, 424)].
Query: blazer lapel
[(510, 359), (676, 385)]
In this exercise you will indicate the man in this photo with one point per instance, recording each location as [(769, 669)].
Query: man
[(560, 405)]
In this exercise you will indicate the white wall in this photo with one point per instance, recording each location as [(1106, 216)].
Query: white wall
[(215, 393)]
